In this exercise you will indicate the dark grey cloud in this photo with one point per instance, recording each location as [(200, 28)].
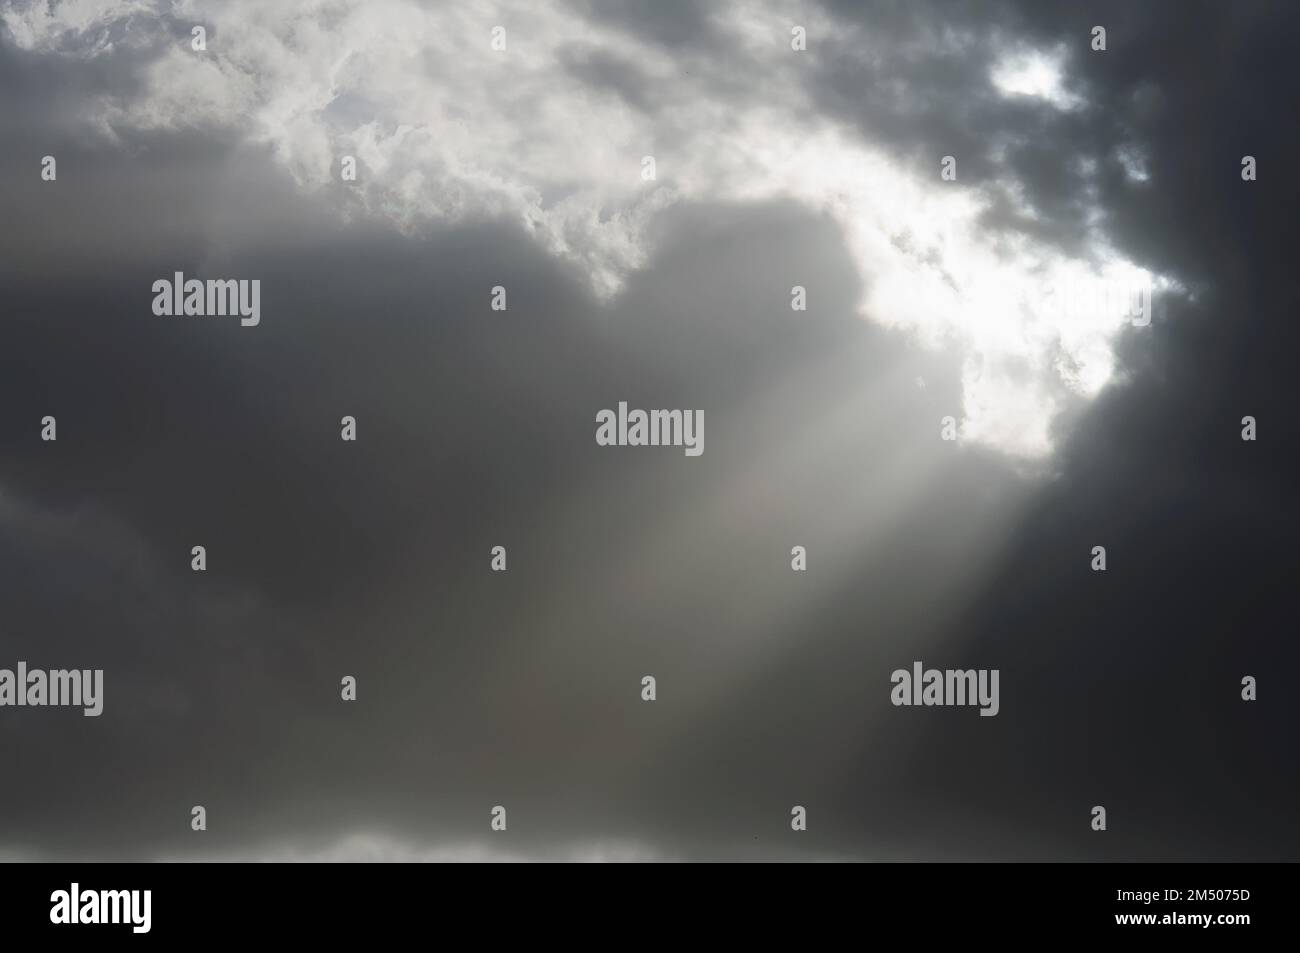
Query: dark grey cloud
[(618, 77), (476, 430), (672, 23)]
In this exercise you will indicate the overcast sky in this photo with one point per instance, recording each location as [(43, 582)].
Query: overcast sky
[(523, 168)]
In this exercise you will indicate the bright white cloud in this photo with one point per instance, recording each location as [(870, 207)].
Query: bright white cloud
[(1035, 74), (446, 128)]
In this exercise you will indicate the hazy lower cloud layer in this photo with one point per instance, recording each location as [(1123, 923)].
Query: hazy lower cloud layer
[(369, 848), (551, 132), (774, 168)]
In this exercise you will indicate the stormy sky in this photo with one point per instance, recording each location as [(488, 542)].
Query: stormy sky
[(524, 168)]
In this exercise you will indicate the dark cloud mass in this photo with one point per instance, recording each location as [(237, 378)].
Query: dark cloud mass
[(476, 429)]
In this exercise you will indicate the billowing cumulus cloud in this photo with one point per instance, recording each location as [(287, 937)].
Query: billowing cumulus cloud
[(552, 131)]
